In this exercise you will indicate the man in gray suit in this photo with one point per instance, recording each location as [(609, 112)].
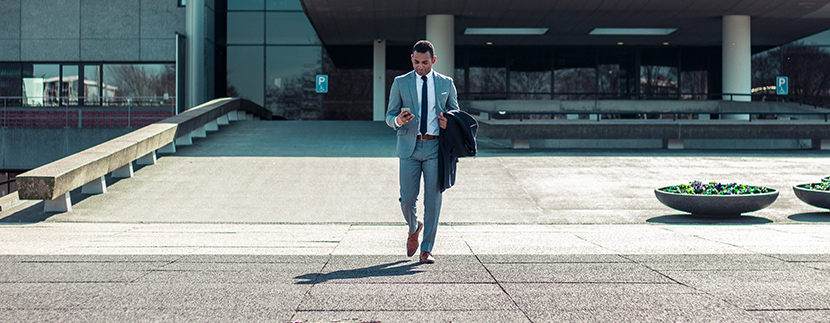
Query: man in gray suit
[(417, 102)]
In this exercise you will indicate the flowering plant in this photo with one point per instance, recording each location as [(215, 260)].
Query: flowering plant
[(823, 186), (715, 188)]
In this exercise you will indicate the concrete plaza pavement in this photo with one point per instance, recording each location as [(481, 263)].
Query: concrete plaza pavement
[(299, 222)]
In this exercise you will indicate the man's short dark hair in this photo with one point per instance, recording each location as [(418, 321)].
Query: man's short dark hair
[(424, 46)]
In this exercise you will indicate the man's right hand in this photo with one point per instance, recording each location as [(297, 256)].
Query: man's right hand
[(405, 117)]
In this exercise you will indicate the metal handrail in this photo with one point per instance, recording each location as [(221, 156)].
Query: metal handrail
[(599, 96), (674, 114), (74, 101)]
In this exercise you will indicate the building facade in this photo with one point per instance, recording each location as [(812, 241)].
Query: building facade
[(95, 53)]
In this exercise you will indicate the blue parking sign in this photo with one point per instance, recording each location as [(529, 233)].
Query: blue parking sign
[(782, 85), (322, 84)]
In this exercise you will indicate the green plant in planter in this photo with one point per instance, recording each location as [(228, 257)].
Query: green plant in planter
[(715, 188), (823, 186)]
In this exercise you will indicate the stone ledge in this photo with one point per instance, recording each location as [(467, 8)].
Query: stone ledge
[(57, 178)]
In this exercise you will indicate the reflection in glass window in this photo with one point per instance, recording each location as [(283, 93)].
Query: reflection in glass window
[(92, 85), (609, 79), (10, 86), (289, 28), (807, 68), (458, 80), (245, 73), (570, 83), (246, 28), (138, 84), (488, 82), (246, 4), (41, 85), (530, 85), (658, 80), (694, 85), (283, 5), (290, 84), (69, 85)]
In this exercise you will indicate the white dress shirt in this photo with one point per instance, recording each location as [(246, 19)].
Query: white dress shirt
[(432, 125)]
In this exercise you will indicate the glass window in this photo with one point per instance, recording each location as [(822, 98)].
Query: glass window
[(69, 85), (458, 80), (10, 86), (290, 84), (807, 68), (575, 74), (530, 85), (352, 98), (608, 77), (694, 85), (571, 82), (283, 5), (659, 81), (41, 85), (92, 85), (245, 73), (137, 84), (246, 28), (246, 4), (289, 28)]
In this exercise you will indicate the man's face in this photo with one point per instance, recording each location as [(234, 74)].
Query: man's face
[(422, 63)]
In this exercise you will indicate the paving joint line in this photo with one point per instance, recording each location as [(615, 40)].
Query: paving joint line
[(496, 281)]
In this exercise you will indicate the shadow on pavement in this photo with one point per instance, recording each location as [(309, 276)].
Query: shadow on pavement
[(689, 219), (385, 270), (811, 217)]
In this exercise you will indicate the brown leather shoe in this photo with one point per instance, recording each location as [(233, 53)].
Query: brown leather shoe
[(426, 258), (412, 241)]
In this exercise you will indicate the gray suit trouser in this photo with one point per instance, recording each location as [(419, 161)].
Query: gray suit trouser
[(424, 160)]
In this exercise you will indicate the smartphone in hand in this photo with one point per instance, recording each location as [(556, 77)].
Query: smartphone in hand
[(405, 110)]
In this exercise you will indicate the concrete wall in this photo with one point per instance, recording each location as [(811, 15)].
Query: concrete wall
[(89, 30), (28, 148)]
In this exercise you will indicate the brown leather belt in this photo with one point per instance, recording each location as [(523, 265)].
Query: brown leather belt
[(426, 137)]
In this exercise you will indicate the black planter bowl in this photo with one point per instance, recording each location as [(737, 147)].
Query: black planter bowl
[(815, 198), (826, 179), (716, 205)]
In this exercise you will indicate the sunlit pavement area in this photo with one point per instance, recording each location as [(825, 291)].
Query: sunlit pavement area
[(299, 222)]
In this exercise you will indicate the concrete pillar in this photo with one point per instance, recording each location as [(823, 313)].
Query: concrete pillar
[(199, 132), (223, 120), (125, 171), (185, 140), (379, 81), (195, 28), (148, 159), (61, 204), (168, 148), (441, 32), (212, 126), (96, 186), (737, 61)]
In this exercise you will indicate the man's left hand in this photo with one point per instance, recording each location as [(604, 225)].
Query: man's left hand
[(442, 121)]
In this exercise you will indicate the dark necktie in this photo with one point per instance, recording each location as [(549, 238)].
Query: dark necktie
[(424, 100)]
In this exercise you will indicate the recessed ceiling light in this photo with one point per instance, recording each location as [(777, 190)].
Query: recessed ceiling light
[(665, 43), (619, 43), (633, 31), (505, 31), (489, 43)]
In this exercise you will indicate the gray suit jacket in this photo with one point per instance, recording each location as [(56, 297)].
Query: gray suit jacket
[(403, 95)]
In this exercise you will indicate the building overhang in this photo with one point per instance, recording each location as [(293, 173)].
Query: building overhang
[(568, 22)]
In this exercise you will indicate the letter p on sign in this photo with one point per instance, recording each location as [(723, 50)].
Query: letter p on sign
[(322, 84), (782, 85)]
